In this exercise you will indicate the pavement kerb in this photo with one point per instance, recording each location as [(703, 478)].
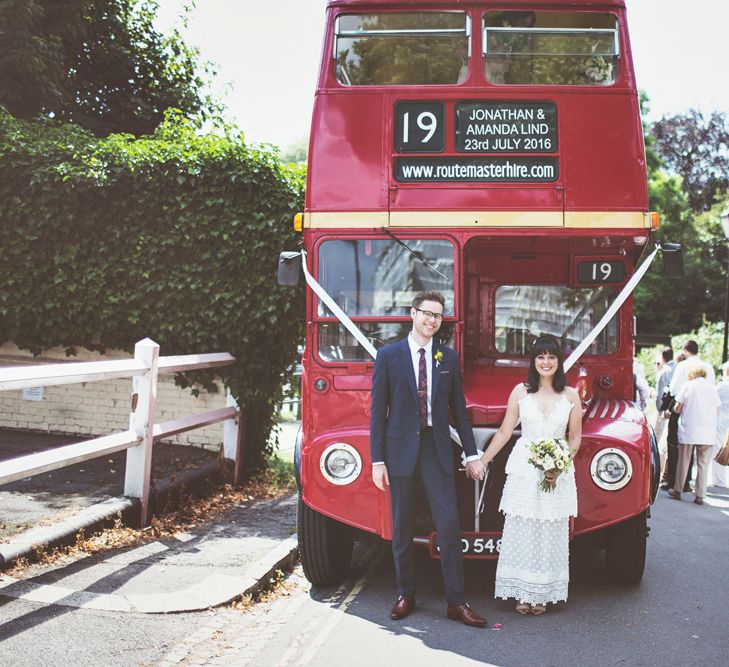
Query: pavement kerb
[(101, 515), (214, 591)]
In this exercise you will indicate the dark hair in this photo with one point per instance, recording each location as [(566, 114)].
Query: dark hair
[(667, 353), (691, 346), (546, 345), (428, 296)]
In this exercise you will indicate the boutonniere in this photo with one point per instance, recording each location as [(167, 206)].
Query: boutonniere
[(438, 356)]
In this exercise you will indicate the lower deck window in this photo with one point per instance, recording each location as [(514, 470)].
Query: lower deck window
[(336, 344), (525, 312)]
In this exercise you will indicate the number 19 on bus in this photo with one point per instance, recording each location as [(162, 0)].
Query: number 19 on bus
[(419, 127), (600, 272)]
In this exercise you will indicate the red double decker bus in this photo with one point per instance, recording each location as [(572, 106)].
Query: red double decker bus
[(493, 151)]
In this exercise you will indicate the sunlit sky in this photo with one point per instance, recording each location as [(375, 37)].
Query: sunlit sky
[(267, 56)]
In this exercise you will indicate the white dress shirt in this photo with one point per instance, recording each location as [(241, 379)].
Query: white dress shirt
[(680, 373), (700, 403)]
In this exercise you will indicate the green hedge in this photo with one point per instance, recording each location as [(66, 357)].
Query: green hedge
[(174, 236)]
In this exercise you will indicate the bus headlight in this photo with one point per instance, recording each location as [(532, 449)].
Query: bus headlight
[(340, 463), (611, 469)]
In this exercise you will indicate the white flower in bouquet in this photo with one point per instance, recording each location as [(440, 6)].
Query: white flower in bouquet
[(549, 455)]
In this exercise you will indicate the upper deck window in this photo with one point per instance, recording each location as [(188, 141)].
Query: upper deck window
[(551, 48), (413, 48)]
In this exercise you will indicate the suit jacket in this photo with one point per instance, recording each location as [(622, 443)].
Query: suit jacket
[(395, 418)]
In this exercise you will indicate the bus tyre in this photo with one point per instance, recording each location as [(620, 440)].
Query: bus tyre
[(625, 551), (325, 547)]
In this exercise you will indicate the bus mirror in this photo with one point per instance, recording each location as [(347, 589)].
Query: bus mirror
[(672, 260), (289, 268)]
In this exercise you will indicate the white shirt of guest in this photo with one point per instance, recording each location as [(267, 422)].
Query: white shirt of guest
[(415, 357), (700, 403), (680, 373)]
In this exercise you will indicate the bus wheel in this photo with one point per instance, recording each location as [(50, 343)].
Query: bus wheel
[(325, 546), (625, 550)]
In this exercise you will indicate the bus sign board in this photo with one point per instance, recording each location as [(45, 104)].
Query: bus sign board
[(476, 169), (506, 127), (600, 272)]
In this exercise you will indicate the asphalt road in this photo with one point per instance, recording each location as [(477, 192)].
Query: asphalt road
[(676, 616)]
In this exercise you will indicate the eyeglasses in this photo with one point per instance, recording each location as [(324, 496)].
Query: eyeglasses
[(430, 316)]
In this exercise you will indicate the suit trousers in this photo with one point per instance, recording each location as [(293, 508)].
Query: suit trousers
[(441, 495), (703, 461)]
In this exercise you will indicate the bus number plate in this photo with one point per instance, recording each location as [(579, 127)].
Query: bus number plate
[(600, 272), (473, 545), (419, 127)]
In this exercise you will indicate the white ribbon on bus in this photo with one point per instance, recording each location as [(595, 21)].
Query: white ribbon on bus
[(569, 362)]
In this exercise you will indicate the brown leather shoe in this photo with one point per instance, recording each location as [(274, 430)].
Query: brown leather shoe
[(465, 614), (403, 607)]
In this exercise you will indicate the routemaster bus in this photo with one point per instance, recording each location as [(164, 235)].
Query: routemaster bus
[(491, 150)]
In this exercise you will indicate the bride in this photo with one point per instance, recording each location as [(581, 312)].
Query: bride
[(533, 565)]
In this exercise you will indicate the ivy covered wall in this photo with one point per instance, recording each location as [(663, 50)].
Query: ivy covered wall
[(174, 237)]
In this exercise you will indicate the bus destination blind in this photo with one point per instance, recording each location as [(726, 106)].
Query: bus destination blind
[(506, 127), (507, 142)]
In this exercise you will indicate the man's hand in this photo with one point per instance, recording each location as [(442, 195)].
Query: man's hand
[(379, 476), (475, 469)]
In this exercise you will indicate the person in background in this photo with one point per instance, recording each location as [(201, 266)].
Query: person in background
[(680, 375), (719, 473), (642, 390), (664, 372), (697, 404), (669, 474)]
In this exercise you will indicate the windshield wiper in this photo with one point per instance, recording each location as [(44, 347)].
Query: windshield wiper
[(423, 261)]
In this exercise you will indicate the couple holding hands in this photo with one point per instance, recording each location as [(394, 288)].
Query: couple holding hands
[(416, 381)]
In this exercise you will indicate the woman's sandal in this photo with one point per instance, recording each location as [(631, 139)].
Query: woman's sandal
[(539, 609), (523, 608)]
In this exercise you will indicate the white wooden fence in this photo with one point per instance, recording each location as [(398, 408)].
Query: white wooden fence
[(143, 431)]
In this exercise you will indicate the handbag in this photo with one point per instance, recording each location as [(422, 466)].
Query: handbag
[(667, 402), (722, 457)]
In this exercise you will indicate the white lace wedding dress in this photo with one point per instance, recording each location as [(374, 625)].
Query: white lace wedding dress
[(533, 563)]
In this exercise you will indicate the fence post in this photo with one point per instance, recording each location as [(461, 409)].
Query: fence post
[(233, 431), (141, 421)]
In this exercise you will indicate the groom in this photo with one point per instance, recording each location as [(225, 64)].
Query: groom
[(415, 382)]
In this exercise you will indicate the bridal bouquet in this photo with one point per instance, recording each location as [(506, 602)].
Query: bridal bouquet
[(550, 454)]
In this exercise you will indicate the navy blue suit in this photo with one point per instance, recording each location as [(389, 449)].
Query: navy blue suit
[(396, 439)]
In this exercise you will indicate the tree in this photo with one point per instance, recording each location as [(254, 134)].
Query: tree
[(298, 152), (670, 306), (174, 236), (98, 63), (697, 149)]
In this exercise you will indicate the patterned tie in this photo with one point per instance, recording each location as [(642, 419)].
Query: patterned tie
[(423, 390)]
